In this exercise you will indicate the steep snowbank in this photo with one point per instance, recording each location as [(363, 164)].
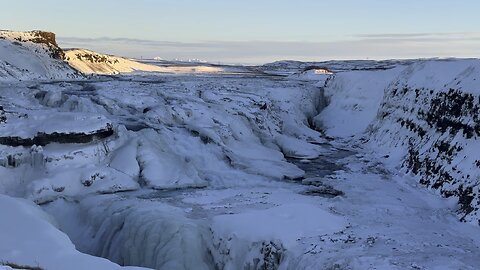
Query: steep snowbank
[(143, 233), (89, 62), (424, 116), (31, 56)]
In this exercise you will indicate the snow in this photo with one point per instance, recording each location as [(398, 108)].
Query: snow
[(125, 159), (89, 62), (29, 237), (30, 124), (143, 233), (22, 59), (287, 223)]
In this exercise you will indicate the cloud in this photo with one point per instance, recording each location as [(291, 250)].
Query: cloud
[(372, 46)]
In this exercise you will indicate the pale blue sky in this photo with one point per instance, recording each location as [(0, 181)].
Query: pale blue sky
[(256, 31)]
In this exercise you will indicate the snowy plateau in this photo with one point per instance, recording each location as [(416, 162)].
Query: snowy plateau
[(115, 163)]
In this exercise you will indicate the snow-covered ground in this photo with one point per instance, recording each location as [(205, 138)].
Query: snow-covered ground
[(226, 170)]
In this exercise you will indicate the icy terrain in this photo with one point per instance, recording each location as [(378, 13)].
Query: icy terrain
[(334, 165)]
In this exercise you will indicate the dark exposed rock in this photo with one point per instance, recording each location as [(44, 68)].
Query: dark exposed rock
[(95, 58), (3, 117), (272, 256), (324, 191), (48, 38), (43, 139)]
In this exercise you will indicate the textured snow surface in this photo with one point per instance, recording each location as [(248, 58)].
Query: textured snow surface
[(224, 171), (423, 116), (89, 62), (29, 238), (286, 223)]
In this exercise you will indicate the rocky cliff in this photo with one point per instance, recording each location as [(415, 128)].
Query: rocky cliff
[(32, 55), (431, 115)]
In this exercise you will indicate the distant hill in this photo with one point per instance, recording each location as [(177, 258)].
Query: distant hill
[(89, 62), (32, 55), (35, 55)]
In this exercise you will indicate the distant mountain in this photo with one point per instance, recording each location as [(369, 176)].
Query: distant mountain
[(32, 55)]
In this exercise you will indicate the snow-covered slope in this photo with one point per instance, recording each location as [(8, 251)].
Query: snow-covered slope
[(425, 117), (32, 55), (430, 116), (354, 98), (30, 240), (89, 62)]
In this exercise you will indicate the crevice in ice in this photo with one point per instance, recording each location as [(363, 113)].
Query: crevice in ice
[(135, 233)]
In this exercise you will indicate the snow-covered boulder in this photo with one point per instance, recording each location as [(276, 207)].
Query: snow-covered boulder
[(44, 127)]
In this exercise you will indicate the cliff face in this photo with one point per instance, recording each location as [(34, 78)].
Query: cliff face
[(48, 38), (431, 114), (422, 117)]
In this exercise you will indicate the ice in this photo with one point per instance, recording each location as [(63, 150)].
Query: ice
[(23, 59), (29, 237), (29, 125), (125, 160), (258, 159)]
